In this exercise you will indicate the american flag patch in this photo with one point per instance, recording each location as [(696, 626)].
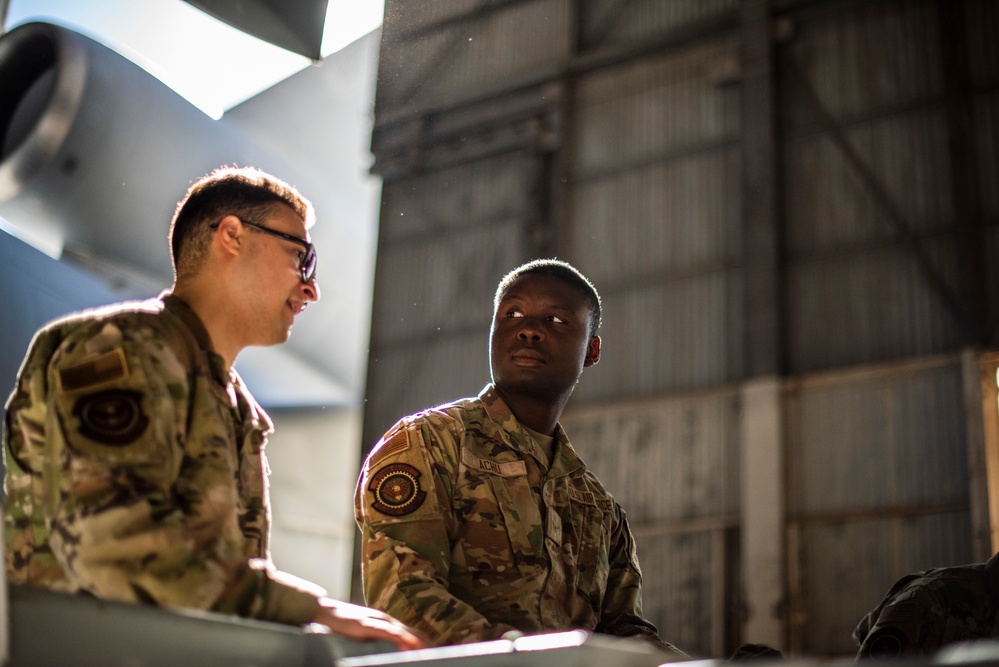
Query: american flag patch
[(107, 367), (900, 614), (398, 442)]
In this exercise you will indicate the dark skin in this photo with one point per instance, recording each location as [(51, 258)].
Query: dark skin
[(539, 345)]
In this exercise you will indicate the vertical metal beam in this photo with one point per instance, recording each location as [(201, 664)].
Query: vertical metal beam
[(964, 172), (608, 19), (977, 395), (761, 428), (763, 297), (763, 511), (543, 198), (721, 586), (559, 132), (981, 401)]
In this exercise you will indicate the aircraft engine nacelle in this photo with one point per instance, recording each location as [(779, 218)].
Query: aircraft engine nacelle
[(95, 151)]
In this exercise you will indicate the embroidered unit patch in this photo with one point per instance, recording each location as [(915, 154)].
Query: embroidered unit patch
[(113, 417), (396, 489)]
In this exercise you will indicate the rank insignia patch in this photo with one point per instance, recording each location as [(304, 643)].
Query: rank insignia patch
[(396, 489), (113, 417)]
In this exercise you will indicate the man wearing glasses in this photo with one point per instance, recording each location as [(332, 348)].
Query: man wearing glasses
[(135, 455)]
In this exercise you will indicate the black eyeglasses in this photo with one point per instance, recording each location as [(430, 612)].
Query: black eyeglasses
[(306, 265)]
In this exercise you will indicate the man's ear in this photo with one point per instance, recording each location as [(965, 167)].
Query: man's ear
[(592, 352), (229, 234)]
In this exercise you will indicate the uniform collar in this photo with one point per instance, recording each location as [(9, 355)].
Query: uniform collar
[(179, 309), (504, 423)]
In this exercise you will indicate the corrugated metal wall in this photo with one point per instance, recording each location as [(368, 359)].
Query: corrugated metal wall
[(609, 23), (673, 464), (445, 239), (872, 77), (616, 135), (654, 218), (437, 54), (877, 487)]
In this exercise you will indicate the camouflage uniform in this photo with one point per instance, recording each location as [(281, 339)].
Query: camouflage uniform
[(136, 468), (466, 534), (925, 611)]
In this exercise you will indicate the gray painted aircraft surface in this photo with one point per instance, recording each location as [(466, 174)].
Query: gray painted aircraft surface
[(95, 152)]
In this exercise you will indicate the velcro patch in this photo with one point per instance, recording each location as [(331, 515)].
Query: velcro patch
[(900, 613), (398, 442), (589, 498), (505, 469), (396, 489), (113, 417), (107, 367)]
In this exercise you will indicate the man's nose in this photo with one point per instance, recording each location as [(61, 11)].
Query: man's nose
[(530, 330), (310, 290)]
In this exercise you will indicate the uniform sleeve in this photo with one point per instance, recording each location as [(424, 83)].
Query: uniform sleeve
[(140, 511), (403, 508), (621, 613), (907, 624)]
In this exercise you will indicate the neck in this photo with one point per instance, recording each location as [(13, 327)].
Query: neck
[(537, 414), (212, 309)]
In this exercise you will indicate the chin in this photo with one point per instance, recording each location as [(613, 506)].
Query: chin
[(277, 338)]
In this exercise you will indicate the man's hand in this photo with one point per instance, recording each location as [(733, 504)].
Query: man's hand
[(365, 624)]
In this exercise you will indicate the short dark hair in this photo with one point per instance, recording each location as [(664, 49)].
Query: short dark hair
[(245, 192), (564, 272)]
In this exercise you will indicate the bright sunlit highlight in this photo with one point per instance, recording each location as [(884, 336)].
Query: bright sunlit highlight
[(212, 65), (549, 641), (48, 241)]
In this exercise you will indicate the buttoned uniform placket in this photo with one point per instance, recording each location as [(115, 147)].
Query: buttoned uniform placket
[(252, 469), (247, 428), (555, 495), (548, 602), (244, 433)]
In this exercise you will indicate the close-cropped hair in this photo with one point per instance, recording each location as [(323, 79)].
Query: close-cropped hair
[(565, 272), (246, 192)]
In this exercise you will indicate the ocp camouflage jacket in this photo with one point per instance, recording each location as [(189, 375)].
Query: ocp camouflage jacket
[(136, 468), (466, 534), (925, 611)]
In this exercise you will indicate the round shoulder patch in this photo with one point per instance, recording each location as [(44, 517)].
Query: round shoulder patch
[(396, 489), (112, 417), (885, 644)]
